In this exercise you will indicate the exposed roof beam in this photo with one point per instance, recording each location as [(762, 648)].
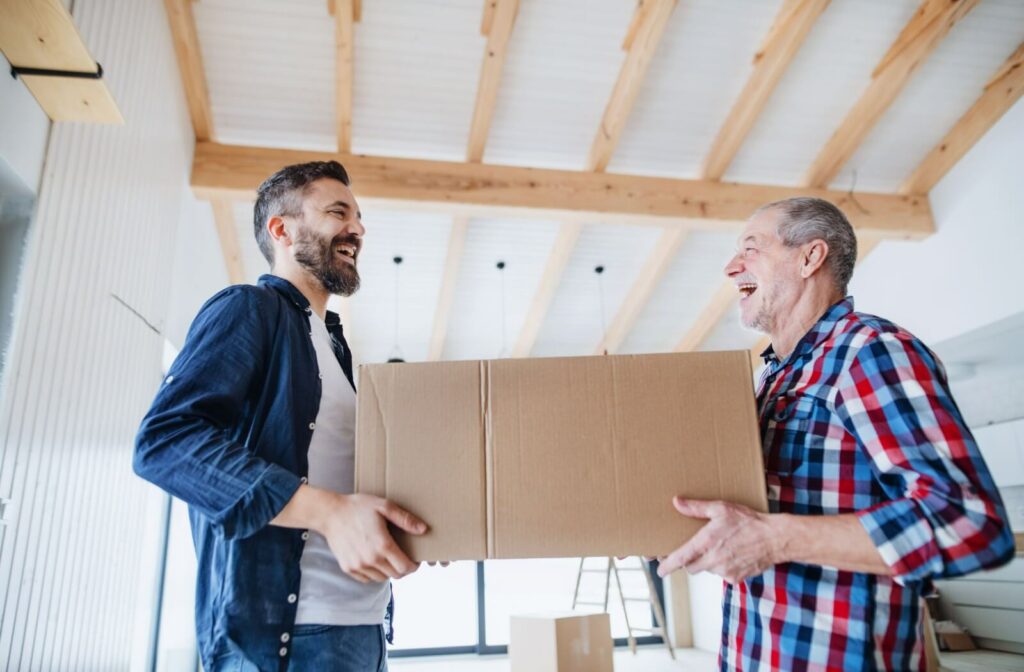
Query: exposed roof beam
[(346, 13), (865, 246), (190, 66), (1001, 92), (650, 277), (446, 297), (641, 42), (930, 24), (234, 172), (699, 331), (787, 34), (499, 19), (558, 259), (227, 232)]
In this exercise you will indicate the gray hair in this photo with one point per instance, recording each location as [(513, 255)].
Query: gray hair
[(805, 219)]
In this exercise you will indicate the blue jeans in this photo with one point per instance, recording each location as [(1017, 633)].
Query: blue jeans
[(339, 648), (322, 648)]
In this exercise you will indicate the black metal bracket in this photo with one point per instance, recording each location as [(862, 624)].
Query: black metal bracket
[(44, 72)]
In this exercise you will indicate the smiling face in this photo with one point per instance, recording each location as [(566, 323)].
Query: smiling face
[(327, 238), (765, 271)]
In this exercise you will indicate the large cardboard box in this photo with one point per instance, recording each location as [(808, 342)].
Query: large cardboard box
[(566, 643), (560, 457)]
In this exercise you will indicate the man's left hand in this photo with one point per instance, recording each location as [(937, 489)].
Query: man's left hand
[(736, 543)]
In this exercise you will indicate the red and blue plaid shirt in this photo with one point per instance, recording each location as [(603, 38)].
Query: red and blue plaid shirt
[(859, 419)]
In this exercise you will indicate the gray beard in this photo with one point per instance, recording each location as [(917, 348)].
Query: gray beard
[(316, 255)]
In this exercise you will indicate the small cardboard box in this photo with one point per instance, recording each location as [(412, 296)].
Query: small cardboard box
[(566, 643), (560, 457)]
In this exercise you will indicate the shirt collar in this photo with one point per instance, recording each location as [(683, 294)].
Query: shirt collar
[(292, 293), (821, 330)]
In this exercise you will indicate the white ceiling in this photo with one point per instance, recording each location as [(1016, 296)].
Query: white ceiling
[(270, 71)]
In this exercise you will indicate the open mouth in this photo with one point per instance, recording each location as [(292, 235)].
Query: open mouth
[(347, 252), (746, 289)]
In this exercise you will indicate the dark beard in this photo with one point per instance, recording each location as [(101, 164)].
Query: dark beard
[(316, 254)]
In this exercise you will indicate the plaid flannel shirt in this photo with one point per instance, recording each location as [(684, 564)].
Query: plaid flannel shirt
[(859, 419)]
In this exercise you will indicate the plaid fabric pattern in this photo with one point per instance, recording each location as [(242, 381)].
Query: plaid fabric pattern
[(859, 419)]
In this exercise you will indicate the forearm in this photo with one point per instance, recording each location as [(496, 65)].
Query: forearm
[(307, 509), (833, 541)]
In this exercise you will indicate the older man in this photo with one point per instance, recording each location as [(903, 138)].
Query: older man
[(875, 483)]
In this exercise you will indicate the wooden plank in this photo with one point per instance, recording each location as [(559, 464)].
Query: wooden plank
[(234, 172), (490, 6), (791, 27), (456, 244), (712, 314), (41, 34), (679, 608), (999, 594), (980, 661), (190, 66), (558, 259), (499, 33), (227, 233), (1000, 94), (344, 72), (651, 274), (929, 25), (652, 22)]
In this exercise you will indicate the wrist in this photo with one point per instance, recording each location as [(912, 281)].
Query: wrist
[(322, 507), (785, 531)]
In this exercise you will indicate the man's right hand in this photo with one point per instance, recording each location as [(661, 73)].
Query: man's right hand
[(356, 530)]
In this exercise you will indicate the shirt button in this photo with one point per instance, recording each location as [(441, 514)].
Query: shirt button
[(311, 334), (319, 375), (285, 637), (303, 480), (292, 598), (305, 535), (170, 379), (312, 425), (284, 651)]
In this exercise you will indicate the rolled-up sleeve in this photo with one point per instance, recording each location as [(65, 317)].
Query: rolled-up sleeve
[(188, 444), (944, 516)]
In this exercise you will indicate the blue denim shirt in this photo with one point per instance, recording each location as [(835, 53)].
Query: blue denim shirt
[(229, 434)]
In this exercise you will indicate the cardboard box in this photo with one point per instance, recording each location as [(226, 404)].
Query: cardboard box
[(560, 457), (952, 637), (567, 643)]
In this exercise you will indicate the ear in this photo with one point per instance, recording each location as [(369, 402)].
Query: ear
[(812, 257), (278, 230)]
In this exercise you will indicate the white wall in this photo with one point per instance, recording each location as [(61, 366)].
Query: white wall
[(83, 368), (23, 130), (968, 274)]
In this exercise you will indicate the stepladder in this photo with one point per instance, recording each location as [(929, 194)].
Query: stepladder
[(611, 568)]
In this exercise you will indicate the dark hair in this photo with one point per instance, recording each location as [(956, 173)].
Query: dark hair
[(805, 219), (281, 195)]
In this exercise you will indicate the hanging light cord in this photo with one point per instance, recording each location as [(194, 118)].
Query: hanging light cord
[(599, 271), (501, 273)]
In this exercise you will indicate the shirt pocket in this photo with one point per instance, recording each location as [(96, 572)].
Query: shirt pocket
[(790, 433)]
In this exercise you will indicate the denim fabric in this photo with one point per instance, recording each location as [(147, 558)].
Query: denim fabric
[(229, 433), (333, 648)]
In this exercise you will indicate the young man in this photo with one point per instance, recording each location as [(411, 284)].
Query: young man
[(875, 484), (254, 428)]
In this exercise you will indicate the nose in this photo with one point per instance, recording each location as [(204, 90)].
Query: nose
[(356, 227), (735, 266)]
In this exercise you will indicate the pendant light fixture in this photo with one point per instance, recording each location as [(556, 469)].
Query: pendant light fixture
[(396, 352), (599, 272), (501, 273)]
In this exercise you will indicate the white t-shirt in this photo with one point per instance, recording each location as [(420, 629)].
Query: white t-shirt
[(327, 595)]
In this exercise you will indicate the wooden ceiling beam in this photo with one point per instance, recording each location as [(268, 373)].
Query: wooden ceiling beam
[(698, 332), (919, 38), (641, 42), (346, 13), (227, 233), (1002, 91), (234, 172), (558, 259), (190, 66), (787, 34), (449, 279), (499, 20)]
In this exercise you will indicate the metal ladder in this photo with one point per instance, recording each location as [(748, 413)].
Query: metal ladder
[(612, 569)]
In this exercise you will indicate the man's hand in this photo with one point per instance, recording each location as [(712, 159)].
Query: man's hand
[(357, 532), (737, 542)]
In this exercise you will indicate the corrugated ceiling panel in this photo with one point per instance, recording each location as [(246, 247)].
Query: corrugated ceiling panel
[(422, 242), (688, 285), (477, 320), (270, 71), (574, 324), (822, 84), (562, 62), (729, 334), (943, 89), (699, 70)]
